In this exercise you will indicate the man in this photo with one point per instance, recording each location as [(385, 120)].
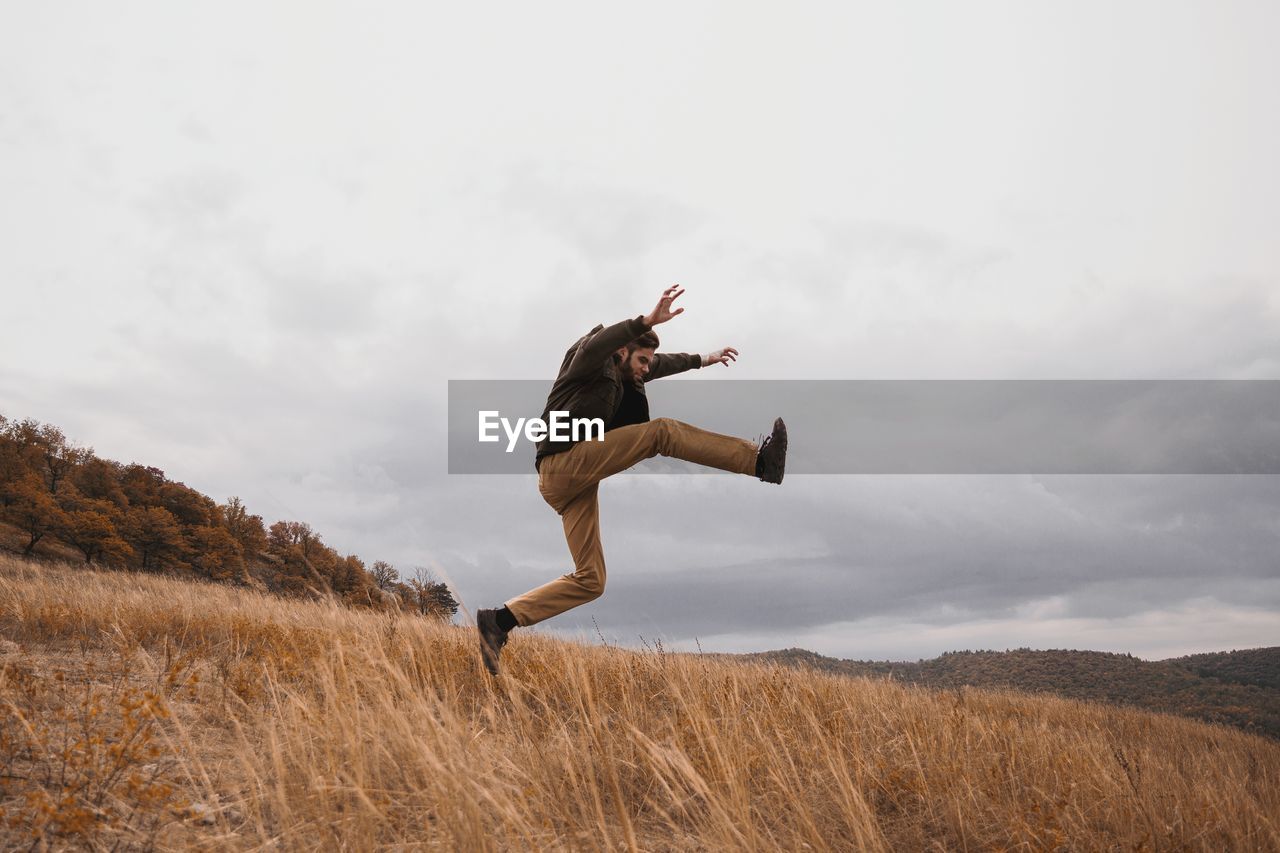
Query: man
[(602, 376)]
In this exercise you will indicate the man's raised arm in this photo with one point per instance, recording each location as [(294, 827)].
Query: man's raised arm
[(671, 363), (595, 350)]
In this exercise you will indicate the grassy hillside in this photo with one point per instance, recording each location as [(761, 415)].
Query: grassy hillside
[(142, 711), (1231, 687)]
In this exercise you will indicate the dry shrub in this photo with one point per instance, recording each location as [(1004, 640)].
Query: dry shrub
[(80, 756)]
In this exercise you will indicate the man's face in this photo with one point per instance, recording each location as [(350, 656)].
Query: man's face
[(636, 366)]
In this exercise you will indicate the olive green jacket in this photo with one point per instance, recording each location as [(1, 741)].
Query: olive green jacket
[(590, 383)]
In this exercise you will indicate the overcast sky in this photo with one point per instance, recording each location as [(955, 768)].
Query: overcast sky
[(249, 244)]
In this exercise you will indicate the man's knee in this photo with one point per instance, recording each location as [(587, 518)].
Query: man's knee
[(591, 583), (661, 433)]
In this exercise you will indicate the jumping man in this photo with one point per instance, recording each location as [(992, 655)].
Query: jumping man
[(602, 376)]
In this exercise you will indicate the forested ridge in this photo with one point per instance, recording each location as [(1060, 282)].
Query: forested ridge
[(62, 501), (1238, 688), (1259, 667)]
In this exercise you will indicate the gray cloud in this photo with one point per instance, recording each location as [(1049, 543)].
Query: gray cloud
[(255, 261), (978, 547)]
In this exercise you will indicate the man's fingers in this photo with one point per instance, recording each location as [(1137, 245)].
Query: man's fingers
[(663, 312), (724, 356)]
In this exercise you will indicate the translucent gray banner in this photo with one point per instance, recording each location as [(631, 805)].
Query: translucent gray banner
[(927, 426)]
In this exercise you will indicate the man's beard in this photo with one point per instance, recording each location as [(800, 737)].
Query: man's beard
[(628, 375)]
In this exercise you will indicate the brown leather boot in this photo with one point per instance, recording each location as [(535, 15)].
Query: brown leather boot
[(771, 460), (492, 638)]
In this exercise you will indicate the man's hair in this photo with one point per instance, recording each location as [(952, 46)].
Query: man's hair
[(646, 341)]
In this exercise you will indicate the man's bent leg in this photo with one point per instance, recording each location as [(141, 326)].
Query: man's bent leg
[(581, 517), (569, 482)]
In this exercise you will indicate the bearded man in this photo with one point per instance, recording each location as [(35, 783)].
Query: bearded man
[(602, 376)]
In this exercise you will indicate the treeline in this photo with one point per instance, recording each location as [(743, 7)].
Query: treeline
[(56, 497), (1230, 688), (1260, 667)]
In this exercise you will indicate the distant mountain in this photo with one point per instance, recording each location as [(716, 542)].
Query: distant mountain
[(1238, 688), (1259, 667)]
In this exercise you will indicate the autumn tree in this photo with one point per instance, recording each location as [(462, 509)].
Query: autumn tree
[(297, 534), (326, 565), (57, 456), (142, 484), (18, 456), (216, 554), (350, 580), (25, 437), (99, 479), (294, 545), (245, 528), (11, 471), (154, 534), (33, 511), (8, 456), (187, 505), (93, 531)]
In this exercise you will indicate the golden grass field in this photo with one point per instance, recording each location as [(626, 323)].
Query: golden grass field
[(143, 712)]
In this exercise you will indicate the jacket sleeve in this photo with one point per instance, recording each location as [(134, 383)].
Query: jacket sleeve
[(670, 363), (595, 349)]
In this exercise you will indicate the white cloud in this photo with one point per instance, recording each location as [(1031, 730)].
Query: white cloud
[(1188, 628)]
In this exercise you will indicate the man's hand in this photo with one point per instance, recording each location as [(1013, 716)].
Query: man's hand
[(720, 356), (662, 312)]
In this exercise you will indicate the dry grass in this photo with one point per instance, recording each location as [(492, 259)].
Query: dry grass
[(140, 712)]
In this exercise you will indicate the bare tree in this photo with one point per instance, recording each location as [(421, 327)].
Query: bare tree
[(384, 575), (431, 596)]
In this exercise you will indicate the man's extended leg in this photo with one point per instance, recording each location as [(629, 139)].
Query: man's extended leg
[(591, 461)]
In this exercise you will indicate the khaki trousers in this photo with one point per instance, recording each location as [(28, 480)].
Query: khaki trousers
[(569, 482)]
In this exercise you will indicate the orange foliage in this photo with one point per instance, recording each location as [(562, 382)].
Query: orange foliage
[(54, 495)]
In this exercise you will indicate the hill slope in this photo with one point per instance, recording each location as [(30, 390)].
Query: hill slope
[(1236, 688), (1258, 667), (144, 711)]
